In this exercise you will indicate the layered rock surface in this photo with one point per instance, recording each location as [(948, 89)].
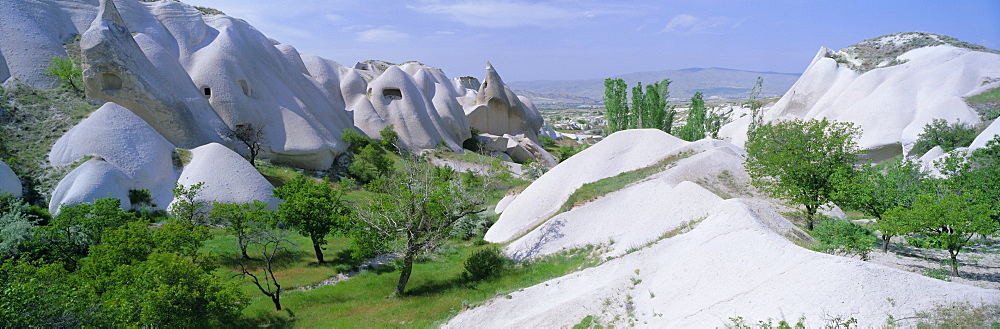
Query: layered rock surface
[(915, 78), (687, 248)]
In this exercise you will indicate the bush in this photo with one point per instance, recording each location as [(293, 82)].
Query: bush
[(355, 140), (485, 263), (547, 141), (844, 237), (948, 136), (472, 225), (68, 71)]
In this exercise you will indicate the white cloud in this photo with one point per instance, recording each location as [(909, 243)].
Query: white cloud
[(334, 18), (687, 24), (381, 35), (506, 13)]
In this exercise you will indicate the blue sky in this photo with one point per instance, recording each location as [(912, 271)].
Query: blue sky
[(559, 39)]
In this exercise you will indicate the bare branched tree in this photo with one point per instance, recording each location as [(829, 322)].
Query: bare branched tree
[(413, 211), (251, 135), (269, 241)]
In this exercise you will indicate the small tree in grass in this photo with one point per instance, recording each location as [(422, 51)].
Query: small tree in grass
[(314, 208), (241, 220), (949, 220), (874, 190), (68, 71), (413, 211), (269, 241), (797, 160)]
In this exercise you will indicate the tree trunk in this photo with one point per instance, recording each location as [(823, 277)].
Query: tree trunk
[(885, 243), (319, 252), (276, 298), (245, 256), (810, 214), (404, 274), (954, 262)]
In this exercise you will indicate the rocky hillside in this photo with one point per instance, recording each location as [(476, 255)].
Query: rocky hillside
[(891, 86), (178, 77)]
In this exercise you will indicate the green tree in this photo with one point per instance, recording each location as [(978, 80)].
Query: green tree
[(715, 120), (616, 104), (269, 241), (68, 236), (640, 110), (68, 71), (16, 223), (654, 103), (240, 220), (948, 219), (694, 129), (844, 237), (797, 160), (875, 189), (314, 208), (36, 295), (414, 211), (948, 136), (667, 123), (187, 205)]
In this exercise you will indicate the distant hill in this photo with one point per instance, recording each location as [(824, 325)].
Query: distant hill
[(713, 82)]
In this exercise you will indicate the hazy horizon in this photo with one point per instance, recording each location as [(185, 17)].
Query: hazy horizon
[(569, 40)]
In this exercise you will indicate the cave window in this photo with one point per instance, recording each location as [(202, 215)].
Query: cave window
[(392, 94), (484, 85), (110, 82), (206, 91), (245, 87)]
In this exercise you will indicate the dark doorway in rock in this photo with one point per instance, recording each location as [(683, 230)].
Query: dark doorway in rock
[(392, 93), (206, 91), (245, 87), (110, 82)]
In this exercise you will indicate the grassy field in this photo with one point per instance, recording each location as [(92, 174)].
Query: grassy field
[(436, 292)]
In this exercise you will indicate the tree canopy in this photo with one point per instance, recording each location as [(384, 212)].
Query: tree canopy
[(314, 208), (797, 160)]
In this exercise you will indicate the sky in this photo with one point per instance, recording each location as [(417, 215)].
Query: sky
[(565, 40)]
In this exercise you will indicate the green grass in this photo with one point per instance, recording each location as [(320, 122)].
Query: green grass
[(992, 95), (436, 291), (593, 190), (31, 120)]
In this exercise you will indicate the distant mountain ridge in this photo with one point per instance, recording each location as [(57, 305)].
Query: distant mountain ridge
[(714, 82)]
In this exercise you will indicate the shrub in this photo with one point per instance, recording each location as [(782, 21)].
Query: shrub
[(547, 141), (473, 225), (844, 237), (355, 140), (948, 136), (68, 71), (485, 263)]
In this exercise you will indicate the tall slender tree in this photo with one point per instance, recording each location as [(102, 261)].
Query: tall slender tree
[(616, 104), (694, 129), (639, 108)]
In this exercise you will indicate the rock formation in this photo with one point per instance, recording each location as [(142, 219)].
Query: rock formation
[(891, 86), (686, 248), (9, 183), (115, 69), (123, 152), (499, 111)]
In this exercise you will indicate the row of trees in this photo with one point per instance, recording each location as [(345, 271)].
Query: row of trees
[(649, 109), (812, 163)]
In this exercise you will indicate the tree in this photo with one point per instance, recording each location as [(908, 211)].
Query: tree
[(251, 135), (69, 235), (186, 204), (269, 241), (314, 208), (715, 120), (756, 115), (16, 223), (640, 110), (948, 219), (413, 211), (658, 115), (68, 71), (616, 104), (948, 136), (694, 129), (797, 160), (874, 190), (240, 219)]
